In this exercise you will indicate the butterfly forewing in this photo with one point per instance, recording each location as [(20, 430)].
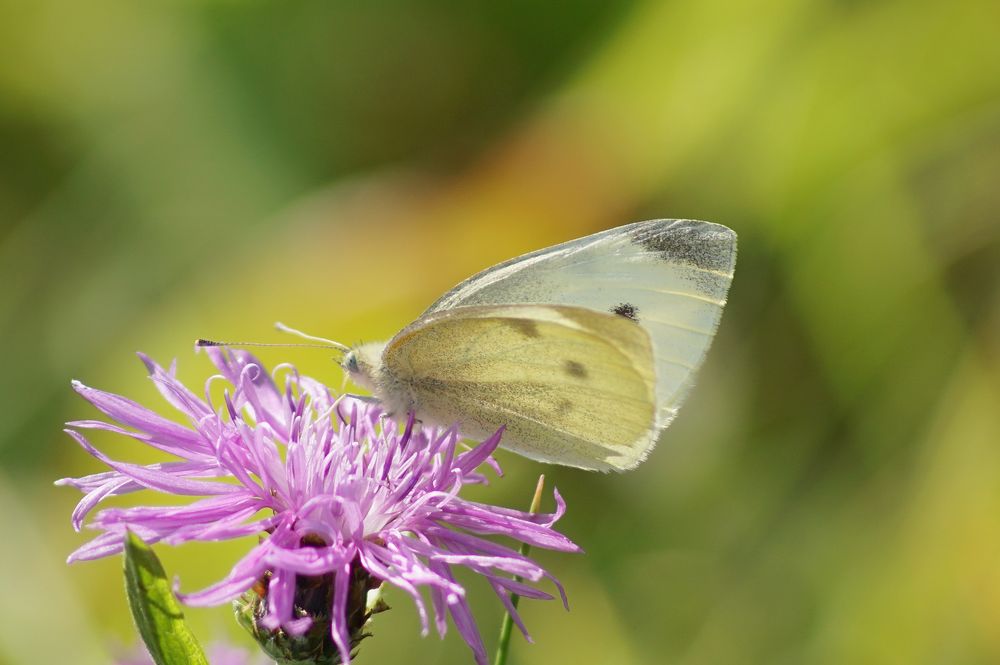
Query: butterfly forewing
[(670, 277)]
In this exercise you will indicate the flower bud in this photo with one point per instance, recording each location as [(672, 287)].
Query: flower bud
[(313, 600)]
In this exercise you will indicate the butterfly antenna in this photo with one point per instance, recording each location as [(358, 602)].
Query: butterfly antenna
[(212, 342), (298, 333)]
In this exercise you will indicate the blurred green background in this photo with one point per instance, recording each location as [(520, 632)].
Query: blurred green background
[(831, 491)]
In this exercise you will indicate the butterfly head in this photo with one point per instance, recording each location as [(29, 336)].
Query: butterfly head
[(362, 364)]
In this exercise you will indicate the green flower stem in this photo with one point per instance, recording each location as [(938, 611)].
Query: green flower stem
[(508, 621)]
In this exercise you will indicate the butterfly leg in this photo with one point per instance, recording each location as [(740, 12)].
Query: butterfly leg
[(368, 399)]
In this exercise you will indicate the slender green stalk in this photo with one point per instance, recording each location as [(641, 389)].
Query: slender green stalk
[(508, 620)]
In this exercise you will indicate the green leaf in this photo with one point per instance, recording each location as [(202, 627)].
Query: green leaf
[(156, 612)]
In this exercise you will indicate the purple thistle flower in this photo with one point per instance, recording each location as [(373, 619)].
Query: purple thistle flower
[(341, 493)]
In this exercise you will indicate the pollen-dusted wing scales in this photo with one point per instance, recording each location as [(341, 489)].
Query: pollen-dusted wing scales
[(571, 385)]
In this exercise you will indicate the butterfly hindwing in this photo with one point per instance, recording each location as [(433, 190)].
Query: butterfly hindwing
[(571, 385)]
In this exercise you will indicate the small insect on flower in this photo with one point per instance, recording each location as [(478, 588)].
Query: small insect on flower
[(346, 498), (583, 351)]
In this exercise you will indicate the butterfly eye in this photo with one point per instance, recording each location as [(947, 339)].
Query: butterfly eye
[(351, 362)]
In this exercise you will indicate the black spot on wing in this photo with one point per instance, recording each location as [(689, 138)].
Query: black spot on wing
[(626, 309), (526, 327), (563, 408), (699, 244), (575, 369)]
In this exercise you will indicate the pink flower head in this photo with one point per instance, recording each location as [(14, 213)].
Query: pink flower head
[(336, 487)]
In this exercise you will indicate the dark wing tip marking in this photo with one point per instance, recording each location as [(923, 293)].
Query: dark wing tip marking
[(626, 309), (700, 244)]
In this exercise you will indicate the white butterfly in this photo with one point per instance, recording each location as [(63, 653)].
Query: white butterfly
[(584, 350)]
